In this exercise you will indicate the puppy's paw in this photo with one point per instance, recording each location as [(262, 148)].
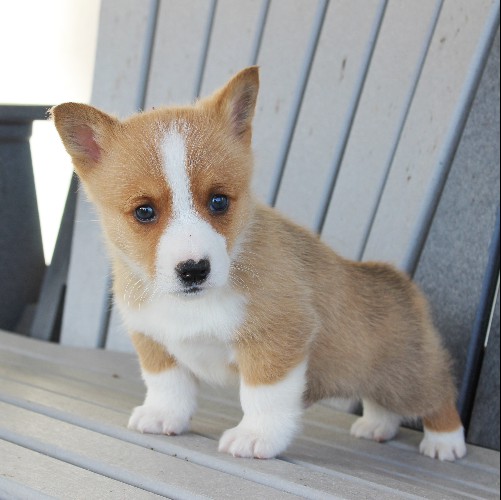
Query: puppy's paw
[(378, 430), (247, 442), (152, 419), (443, 445)]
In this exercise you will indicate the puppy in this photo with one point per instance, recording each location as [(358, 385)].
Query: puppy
[(212, 285)]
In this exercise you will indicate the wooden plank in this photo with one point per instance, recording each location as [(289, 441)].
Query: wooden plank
[(94, 405), (364, 463), (59, 378), (396, 465), (124, 42), (324, 457), (133, 465), (135, 456), (453, 66), (99, 401), (29, 475), (87, 361), (400, 50), (117, 398), (182, 33), (86, 302), (193, 447), (233, 41), (47, 319), (333, 85), (124, 45), (282, 58)]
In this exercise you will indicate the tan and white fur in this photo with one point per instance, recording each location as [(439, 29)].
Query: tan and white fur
[(213, 286)]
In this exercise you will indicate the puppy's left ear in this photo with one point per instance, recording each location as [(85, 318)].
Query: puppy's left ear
[(236, 102)]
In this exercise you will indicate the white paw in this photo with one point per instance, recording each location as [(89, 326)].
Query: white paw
[(377, 430), (158, 420), (443, 445), (249, 442)]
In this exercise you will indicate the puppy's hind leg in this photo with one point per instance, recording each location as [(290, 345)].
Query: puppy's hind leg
[(377, 423), (443, 435)]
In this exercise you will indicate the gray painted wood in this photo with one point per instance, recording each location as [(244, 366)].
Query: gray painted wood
[(127, 463), (463, 36), (240, 22), (22, 263), (48, 315), (388, 91), (27, 475), (282, 58), (86, 303), (77, 409), (179, 51), (329, 102), (125, 32)]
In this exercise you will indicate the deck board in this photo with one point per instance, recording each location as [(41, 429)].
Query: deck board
[(28, 474), (68, 408)]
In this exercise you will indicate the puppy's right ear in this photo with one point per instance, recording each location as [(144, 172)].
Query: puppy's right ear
[(83, 130)]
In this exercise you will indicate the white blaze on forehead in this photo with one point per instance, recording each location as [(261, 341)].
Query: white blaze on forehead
[(175, 169), (187, 235)]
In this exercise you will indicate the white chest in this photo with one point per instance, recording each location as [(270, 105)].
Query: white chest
[(198, 332), (208, 359)]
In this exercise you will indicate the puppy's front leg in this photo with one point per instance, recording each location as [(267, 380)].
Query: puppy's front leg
[(171, 391), (272, 414)]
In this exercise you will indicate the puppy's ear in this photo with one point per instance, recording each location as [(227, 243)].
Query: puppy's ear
[(83, 130), (236, 101)]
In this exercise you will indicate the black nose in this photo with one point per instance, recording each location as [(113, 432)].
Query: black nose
[(193, 273)]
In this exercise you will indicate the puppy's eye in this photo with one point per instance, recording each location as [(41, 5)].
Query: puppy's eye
[(145, 213), (219, 203)]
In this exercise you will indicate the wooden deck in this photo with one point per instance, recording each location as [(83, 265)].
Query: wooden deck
[(63, 415)]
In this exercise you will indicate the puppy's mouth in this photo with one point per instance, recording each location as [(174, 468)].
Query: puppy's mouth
[(191, 291)]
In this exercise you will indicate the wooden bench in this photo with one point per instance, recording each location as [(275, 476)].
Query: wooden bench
[(63, 412), (377, 126)]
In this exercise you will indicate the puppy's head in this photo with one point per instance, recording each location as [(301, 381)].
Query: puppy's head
[(172, 185)]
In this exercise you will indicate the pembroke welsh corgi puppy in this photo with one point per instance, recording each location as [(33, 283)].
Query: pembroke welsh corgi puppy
[(212, 285)]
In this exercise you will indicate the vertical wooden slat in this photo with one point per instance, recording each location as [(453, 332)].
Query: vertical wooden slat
[(282, 54), (443, 97), (337, 73), (183, 29), (47, 320), (233, 42), (297, 100), (395, 67), (125, 31), (205, 48), (261, 23), (124, 45)]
